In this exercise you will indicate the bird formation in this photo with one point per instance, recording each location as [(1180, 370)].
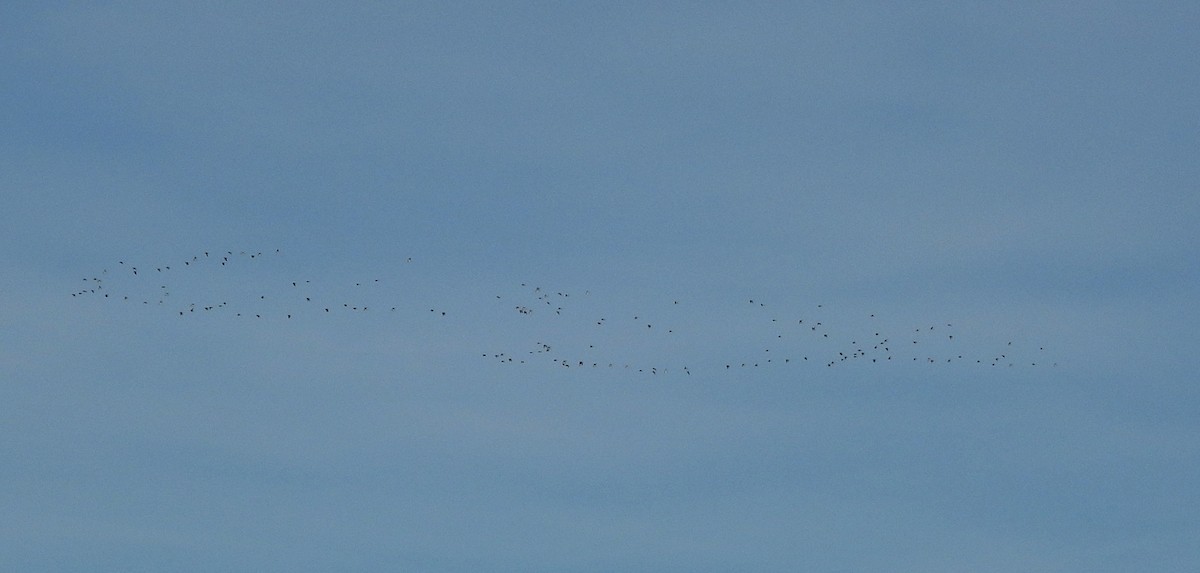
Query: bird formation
[(561, 329)]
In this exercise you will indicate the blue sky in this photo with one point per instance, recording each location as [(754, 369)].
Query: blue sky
[(1024, 173)]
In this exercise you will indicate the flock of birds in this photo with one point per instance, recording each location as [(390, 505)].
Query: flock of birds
[(566, 330)]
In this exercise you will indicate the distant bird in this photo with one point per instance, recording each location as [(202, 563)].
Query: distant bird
[(845, 349)]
